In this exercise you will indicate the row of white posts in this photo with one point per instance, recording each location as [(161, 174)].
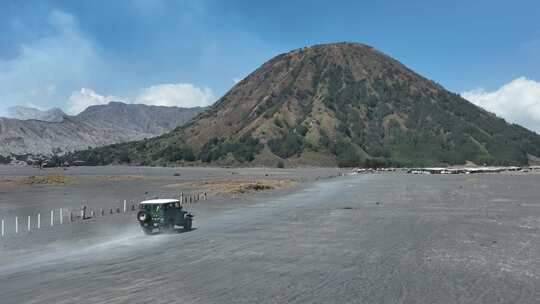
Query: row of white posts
[(61, 215), (29, 222), (184, 199), (188, 199)]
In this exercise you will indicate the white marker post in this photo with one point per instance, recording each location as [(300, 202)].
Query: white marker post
[(29, 223), (52, 217), (39, 220), (16, 225), (125, 206), (61, 216), (3, 228)]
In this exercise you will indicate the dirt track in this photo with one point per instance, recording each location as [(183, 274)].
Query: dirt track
[(385, 238)]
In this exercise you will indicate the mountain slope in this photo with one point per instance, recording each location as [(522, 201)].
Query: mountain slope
[(96, 126), (136, 121), (342, 103)]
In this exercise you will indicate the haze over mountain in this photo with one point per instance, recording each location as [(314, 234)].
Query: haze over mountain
[(96, 126), (27, 113), (343, 103)]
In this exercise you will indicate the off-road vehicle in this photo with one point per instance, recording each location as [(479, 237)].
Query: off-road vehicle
[(165, 215)]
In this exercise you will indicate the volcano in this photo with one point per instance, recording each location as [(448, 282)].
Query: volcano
[(344, 104)]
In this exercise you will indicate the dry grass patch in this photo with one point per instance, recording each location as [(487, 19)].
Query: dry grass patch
[(119, 178), (232, 187), (47, 180)]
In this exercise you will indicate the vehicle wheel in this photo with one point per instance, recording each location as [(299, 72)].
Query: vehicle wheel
[(143, 216), (187, 225), (147, 231)]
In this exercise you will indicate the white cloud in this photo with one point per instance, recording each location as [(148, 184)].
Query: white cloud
[(517, 101), (35, 106), (171, 95), (178, 94), (46, 70), (82, 99), (50, 66), (65, 57)]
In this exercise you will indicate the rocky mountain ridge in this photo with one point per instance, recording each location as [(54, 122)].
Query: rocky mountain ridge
[(96, 126)]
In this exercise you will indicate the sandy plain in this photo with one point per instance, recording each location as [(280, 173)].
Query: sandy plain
[(374, 238)]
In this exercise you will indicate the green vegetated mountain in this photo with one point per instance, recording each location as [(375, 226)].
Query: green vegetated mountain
[(343, 104)]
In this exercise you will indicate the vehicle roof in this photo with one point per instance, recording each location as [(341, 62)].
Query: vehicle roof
[(159, 201)]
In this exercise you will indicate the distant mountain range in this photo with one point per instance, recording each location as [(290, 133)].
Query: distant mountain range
[(343, 104), (46, 132), (27, 113)]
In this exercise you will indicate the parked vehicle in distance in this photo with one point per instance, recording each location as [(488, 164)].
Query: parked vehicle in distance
[(163, 215)]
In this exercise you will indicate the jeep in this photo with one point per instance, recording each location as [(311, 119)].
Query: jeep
[(163, 215)]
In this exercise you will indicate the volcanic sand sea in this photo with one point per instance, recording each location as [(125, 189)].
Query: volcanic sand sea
[(380, 238)]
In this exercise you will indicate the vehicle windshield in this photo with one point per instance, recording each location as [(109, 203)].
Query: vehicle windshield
[(152, 208)]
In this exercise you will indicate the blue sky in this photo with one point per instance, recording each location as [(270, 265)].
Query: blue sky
[(74, 53)]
